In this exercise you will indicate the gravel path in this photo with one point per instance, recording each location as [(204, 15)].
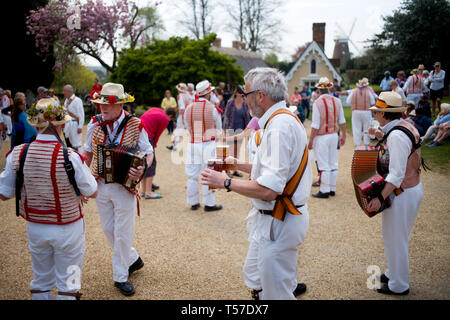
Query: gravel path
[(198, 255)]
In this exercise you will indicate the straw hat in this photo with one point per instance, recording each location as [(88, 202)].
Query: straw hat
[(203, 88), (181, 87), (388, 101), (421, 67), (46, 111), (112, 93), (324, 84), (364, 82)]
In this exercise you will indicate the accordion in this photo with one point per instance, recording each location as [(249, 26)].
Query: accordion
[(367, 183), (115, 162)]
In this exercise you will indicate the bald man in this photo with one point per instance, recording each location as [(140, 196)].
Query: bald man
[(74, 128)]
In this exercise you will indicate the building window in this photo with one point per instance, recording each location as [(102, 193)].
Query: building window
[(313, 66)]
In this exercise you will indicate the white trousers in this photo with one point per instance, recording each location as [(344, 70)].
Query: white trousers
[(397, 223), (326, 153), (414, 97), (271, 263), (8, 122), (197, 156), (116, 207), (55, 248), (71, 132), (360, 124)]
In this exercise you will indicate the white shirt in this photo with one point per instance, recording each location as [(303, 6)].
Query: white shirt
[(76, 107), (214, 100), (143, 143), (316, 114), (191, 96), (278, 157), (399, 147), (437, 80), (401, 93), (409, 84), (83, 177), (216, 117), (5, 102), (181, 102), (350, 97)]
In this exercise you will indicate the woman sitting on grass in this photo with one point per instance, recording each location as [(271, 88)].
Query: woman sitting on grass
[(443, 117)]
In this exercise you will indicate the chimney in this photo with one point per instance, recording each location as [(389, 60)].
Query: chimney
[(217, 43), (238, 45), (319, 34)]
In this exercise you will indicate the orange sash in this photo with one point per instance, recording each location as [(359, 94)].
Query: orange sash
[(284, 202)]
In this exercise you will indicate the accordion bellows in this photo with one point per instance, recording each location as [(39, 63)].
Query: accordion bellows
[(367, 182), (114, 163)]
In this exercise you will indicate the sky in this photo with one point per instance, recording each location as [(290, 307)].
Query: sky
[(297, 17)]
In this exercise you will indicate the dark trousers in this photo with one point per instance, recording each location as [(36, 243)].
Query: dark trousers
[(170, 127)]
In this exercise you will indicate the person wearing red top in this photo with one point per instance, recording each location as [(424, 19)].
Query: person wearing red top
[(97, 87), (155, 121)]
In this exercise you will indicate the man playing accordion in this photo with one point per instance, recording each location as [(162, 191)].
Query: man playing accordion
[(114, 129), (399, 161)]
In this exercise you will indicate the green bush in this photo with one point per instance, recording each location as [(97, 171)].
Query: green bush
[(148, 71)]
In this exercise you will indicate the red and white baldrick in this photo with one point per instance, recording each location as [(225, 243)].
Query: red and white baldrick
[(327, 116), (414, 87), (361, 99), (400, 162), (49, 203), (203, 122), (116, 205)]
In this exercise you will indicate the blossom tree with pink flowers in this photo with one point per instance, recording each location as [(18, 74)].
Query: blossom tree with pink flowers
[(91, 28)]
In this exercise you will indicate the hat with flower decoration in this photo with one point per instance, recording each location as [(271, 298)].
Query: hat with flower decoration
[(47, 111), (324, 84), (112, 93)]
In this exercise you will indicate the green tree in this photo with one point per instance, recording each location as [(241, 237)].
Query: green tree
[(417, 32), (148, 71), (75, 74)]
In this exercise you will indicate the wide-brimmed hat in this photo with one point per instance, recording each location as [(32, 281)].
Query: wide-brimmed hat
[(364, 82), (204, 87), (112, 93), (410, 102), (437, 64), (46, 111), (324, 84), (421, 67), (181, 87), (414, 71), (388, 101), (413, 113)]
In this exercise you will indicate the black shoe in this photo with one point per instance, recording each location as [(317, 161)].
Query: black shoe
[(385, 289), (169, 147), (316, 184), (126, 288), (321, 195), (384, 279), (138, 264), (195, 206), (213, 208), (154, 187), (332, 193), (301, 288), (255, 294)]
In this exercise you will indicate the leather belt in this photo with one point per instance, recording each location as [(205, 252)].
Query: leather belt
[(270, 212)]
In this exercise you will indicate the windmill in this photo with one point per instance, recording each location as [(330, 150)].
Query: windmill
[(341, 49)]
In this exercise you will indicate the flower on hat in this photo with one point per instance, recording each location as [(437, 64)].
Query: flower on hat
[(112, 99)]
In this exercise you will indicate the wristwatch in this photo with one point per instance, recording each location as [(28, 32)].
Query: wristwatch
[(227, 184)]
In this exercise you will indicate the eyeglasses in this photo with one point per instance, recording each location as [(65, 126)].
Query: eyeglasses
[(245, 94)]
